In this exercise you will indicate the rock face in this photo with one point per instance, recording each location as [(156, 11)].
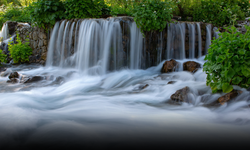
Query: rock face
[(38, 42), (169, 66), (228, 96), (191, 66), (13, 80), (13, 75), (181, 95)]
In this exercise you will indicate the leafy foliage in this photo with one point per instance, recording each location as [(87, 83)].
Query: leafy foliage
[(14, 13), (220, 12), (45, 13), (85, 9), (228, 61), (20, 52), (2, 57), (153, 15)]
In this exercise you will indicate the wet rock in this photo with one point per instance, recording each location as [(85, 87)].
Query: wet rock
[(228, 96), (169, 66), (59, 80), (191, 66), (181, 95), (13, 80), (2, 69), (34, 79), (5, 73), (171, 82), (13, 75), (141, 87)]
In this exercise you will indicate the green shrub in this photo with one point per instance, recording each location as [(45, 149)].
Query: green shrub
[(20, 52), (85, 9), (228, 61), (153, 15), (2, 57), (45, 13), (14, 13), (218, 12)]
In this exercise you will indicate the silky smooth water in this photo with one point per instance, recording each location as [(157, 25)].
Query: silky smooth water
[(113, 108)]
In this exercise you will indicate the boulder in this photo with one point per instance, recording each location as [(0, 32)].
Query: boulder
[(228, 96), (13, 80), (169, 66), (181, 95), (13, 75), (35, 79), (191, 66)]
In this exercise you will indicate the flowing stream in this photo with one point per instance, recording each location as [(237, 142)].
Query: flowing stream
[(86, 99)]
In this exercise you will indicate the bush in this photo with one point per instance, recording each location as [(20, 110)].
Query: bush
[(152, 15), (219, 12), (20, 52), (85, 9), (14, 13), (45, 13), (228, 61), (2, 57)]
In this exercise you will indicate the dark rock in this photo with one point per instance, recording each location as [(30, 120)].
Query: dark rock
[(181, 95), (228, 96), (13, 80), (141, 87), (59, 80), (13, 75), (191, 66), (34, 79), (2, 69), (171, 82), (169, 66)]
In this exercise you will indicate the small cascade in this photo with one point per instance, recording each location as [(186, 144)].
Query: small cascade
[(97, 46), (191, 28), (199, 40), (208, 37), (4, 33), (176, 41), (216, 32), (135, 47)]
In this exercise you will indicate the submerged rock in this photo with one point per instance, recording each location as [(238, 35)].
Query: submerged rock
[(141, 87), (13, 75), (228, 96), (181, 95), (34, 79), (171, 82), (13, 80), (169, 66), (191, 66)]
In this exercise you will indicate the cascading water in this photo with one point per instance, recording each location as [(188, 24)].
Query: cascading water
[(208, 37), (216, 32), (176, 41), (191, 28), (199, 40), (4, 33), (119, 108)]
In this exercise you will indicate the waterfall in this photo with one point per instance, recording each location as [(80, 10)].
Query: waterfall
[(135, 46), (208, 37), (176, 41), (97, 46), (191, 28), (4, 33), (216, 32), (199, 40)]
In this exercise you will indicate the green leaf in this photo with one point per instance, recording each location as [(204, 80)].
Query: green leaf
[(226, 88), (236, 80)]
